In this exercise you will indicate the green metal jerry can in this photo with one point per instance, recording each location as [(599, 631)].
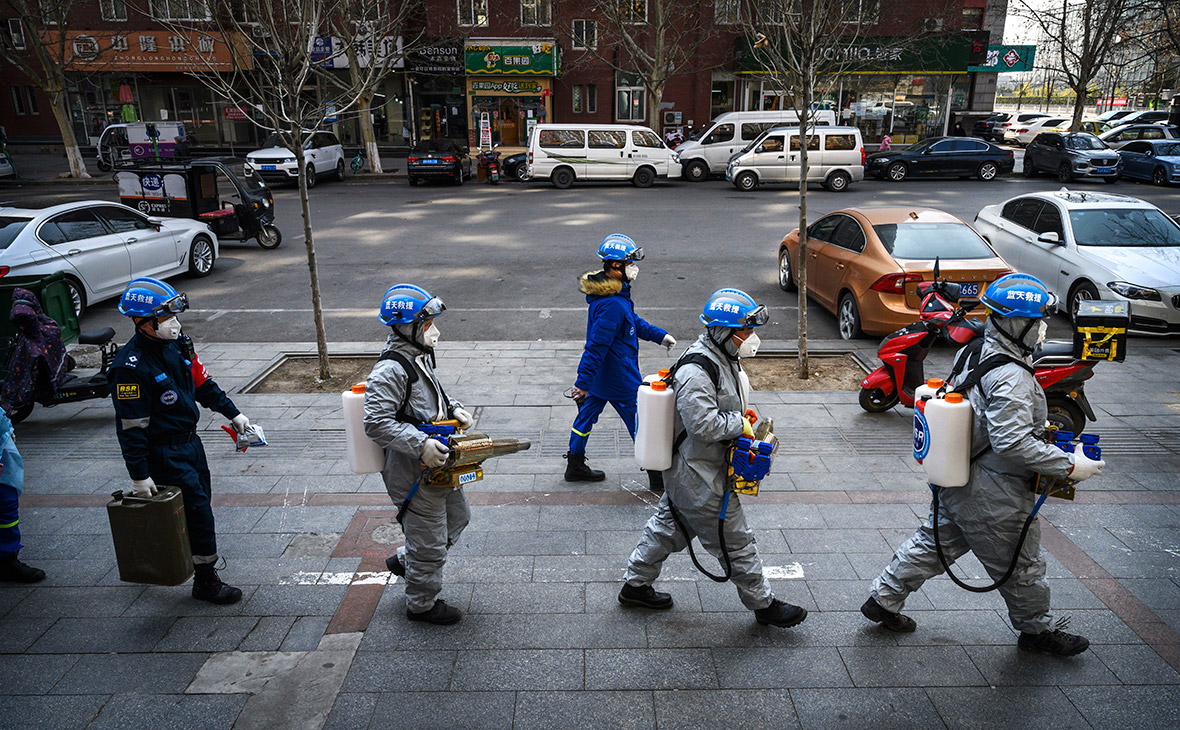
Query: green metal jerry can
[(151, 538)]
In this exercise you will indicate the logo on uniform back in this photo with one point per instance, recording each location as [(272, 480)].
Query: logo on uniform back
[(921, 436), (127, 391), (168, 397)]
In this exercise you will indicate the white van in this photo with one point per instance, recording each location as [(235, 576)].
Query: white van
[(562, 153), (729, 133), (835, 157)]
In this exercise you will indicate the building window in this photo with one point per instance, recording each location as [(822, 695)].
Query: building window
[(577, 99), (972, 18), (591, 98), (632, 11), (725, 12), (113, 9), (585, 35), (535, 12), (630, 98), (473, 12), (18, 100), (17, 34), (176, 9), (31, 95)]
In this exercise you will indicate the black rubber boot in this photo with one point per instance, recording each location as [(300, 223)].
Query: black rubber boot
[(12, 570), (781, 613), (655, 481), (644, 597), (440, 614), (892, 621), (394, 563), (207, 586), (577, 471), (1053, 643)]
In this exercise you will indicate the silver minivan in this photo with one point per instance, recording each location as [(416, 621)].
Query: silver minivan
[(835, 158), (729, 133)]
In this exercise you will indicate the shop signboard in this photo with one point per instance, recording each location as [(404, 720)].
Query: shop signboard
[(235, 114), (155, 50), (330, 52), (1006, 58), (880, 55), (437, 57), (511, 58), (507, 86)]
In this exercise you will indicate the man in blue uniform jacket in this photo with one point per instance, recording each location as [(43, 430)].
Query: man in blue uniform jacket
[(609, 369), (156, 384)]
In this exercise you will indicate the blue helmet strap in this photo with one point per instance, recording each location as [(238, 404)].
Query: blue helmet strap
[(723, 343)]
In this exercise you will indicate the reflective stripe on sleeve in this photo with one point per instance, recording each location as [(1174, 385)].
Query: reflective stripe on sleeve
[(127, 424)]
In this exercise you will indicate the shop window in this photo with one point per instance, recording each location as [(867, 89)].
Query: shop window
[(113, 9), (865, 12), (591, 98), (607, 139), (577, 96), (535, 12), (31, 97), (180, 9), (585, 35), (473, 12), (632, 11), (644, 138), (725, 12), (561, 139), (18, 100), (972, 18), (17, 34), (840, 142)]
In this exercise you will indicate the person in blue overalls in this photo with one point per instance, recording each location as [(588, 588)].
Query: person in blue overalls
[(609, 369), (156, 384), (12, 481)]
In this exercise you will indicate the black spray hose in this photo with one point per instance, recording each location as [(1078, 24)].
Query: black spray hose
[(720, 539), (1015, 555)]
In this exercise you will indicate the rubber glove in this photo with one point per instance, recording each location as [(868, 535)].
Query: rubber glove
[(143, 487), (1084, 467), (434, 454), (747, 427), (240, 422), (669, 342), (464, 418)]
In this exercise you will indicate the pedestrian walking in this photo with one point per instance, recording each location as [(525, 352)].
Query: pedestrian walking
[(12, 483)]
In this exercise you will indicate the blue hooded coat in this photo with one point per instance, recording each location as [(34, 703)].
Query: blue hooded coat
[(609, 367)]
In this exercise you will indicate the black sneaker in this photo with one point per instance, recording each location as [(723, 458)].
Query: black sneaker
[(655, 481), (781, 613), (440, 614), (394, 563), (1053, 643), (892, 621), (12, 570), (207, 586), (576, 470), (644, 597)]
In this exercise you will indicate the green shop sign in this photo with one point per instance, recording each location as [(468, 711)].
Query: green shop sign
[(507, 87), (942, 54), (1007, 59), (533, 59)]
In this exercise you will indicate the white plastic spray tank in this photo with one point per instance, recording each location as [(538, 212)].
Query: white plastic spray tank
[(948, 458), (924, 392), (655, 416), (364, 455)]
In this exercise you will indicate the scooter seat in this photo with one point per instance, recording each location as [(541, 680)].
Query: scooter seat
[(100, 337), (1054, 350)]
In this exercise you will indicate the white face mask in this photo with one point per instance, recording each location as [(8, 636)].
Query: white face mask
[(430, 336), (1042, 331), (749, 348), (168, 330), (631, 271)]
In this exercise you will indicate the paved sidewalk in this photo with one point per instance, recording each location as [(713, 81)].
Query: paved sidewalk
[(320, 638)]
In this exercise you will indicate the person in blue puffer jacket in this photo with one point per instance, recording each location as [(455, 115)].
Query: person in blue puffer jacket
[(609, 369)]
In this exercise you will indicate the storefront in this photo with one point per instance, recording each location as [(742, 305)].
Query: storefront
[(390, 100), (509, 88), (437, 86)]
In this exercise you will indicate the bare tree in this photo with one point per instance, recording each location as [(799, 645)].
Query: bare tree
[(280, 50)]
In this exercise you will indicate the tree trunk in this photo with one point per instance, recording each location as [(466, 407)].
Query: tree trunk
[(57, 99), (1079, 105), (321, 337), (655, 97), (368, 136), (801, 274)]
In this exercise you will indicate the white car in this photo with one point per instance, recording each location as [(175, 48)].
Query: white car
[(101, 246), (323, 153), (1021, 133), (1125, 134), (6, 169), (1090, 245)]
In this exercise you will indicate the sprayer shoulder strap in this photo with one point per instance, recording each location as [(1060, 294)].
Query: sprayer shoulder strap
[(710, 368), (403, 411), (979, 368)]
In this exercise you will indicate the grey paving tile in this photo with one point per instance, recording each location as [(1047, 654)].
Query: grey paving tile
[(864, 709), (593, 517), (781, 668), (924, 666), (546, 542), (628, 669), (849, 595), (1101, 627), (488, 569), (206, 633), (33, 675), (351, 711), (110, 673), (948, 628), (980, 708), (268, 633), (1007, 666), (443, 711), (235, 545), (49, 712), (92, 635), (578, 568), (76, 602), (275, 571), (737, 709), (593, 710), (946, 596), (399, 671), (304, 519), (1113, 708), (170, 712), (519, 669), (511, 518), (868, 515), (815, 566), (294, 601), (785, 516), (822, 540), (305, 635), (524, 598), (493, 631), (18, 634), (723, 596), (1134, 664), (178, 601)]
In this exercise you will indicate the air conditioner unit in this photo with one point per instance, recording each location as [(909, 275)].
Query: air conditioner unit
[(257, 31), (673, 119)]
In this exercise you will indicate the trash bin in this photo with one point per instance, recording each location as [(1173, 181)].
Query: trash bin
[(54, 294)]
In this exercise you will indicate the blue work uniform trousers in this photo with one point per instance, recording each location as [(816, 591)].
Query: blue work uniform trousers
[(12, 480), (184, 465), (588, 415)]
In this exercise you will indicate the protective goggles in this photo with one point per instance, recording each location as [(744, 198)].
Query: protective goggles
[(175, 305), (432, 309), (636, 255), (757, 317)]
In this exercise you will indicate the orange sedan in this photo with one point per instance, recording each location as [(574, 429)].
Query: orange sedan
[(864, 264)]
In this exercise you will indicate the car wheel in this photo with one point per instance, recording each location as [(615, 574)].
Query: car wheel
[(897, 171), (848, 317), (696, 171), (874, 400), (1064, 173), (21, 413), (562, 178), (746, 181), (412, 180), (310, 177), (987, 171), (200, 257), (644, 177), (786, 280), (1160, 176), (458, 179), (838, 181), (1029, 170), (77, 296), (269, 237), (521, 172), (1066, 415), (1082, 291), (103, 165), (340, 171)]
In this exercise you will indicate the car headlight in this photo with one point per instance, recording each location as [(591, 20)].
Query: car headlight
[(1133, 291)]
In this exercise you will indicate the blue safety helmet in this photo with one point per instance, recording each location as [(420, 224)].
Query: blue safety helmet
[(147, 297), (617, 247), (733, 308), (406, 303), (1019, 295)]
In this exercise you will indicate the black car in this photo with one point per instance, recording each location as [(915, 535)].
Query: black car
[(986, 128), (438, 159), (942, 156), (516, 167), (1071, 155)]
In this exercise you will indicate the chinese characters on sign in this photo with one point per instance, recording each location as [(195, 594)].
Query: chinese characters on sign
[(156, 51)]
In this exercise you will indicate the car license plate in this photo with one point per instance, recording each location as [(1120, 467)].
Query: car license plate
[(1102, 170), (268, 167), (429, 162), (969, 290)]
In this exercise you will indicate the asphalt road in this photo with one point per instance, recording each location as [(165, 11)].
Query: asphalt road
[(505, 258)]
